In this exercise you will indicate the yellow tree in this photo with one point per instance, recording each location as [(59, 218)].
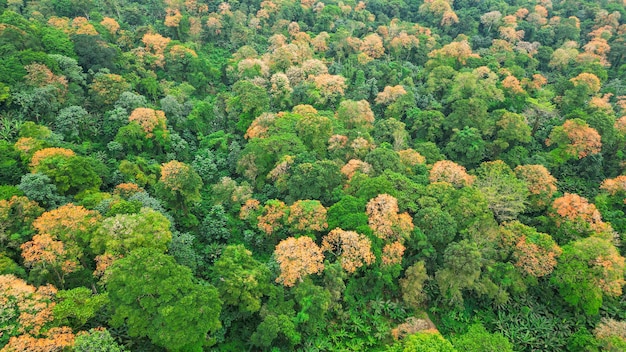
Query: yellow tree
[(150, 120), (48, 257), (297, 258), (25, 309), (451, 172), (541, 184), (307, 216), (575, 139), (384, 220), (575, 217), (353, 250), (72, 224), (273, 217)]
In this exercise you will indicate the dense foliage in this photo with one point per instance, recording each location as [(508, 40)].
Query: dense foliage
[(303, 175)]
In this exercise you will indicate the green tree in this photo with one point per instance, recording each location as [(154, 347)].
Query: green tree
[(126, 232), (506, 194), (96, 340), (478, 339), (76, 306), (315, 181), (587, 270), (427, 341), (158, 299), (241, 280), (247, 102)]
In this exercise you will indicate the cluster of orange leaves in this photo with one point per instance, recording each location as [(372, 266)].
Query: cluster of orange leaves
[(392, 253), (39, 75), (614, 185), (55, 340), (355, 165), (67, 220), (18, 209), (352, 249), (574, 208), (535, 260), (48, 153), (307, 215), (620, 124), (156, 44), (583, 140), (250, 207), (44, 251), (260, 126), (390, 94), (384, 220), (32, 306), (460, 51), (110, 24), (608, 328), (126, 190), (612, 268), (589, 80), (450, 172), (541, 184), (171, 172), (297, 258), (148, 119), (372, 46), (27, 146), (273, 217)]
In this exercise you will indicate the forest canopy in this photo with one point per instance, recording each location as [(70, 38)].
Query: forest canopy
[(312, 175)]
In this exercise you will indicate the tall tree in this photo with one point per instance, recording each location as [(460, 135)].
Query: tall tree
[(158, 299)]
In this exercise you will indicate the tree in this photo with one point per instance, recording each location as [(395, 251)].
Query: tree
[(76, 306), (16, 217), (384, 220), (540, 183), (424, 341), (372, 46), (587, 270), (71, 174), (158, 299), (72, 224), (353, 250), (40, 188), (574, 139), (505, 193), (240, 279), (248, 102), (273, 217), (74, 123), (451, 172), (151, 121), (25, 309), (575, 218), (180, 184), (534, 253), (307, 216), (355, 114), (315, 180), (96, 340), (412, 285), (46, 256), (461, 270), (124, 233), (477, 338), (297, 258), (107, 88)]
